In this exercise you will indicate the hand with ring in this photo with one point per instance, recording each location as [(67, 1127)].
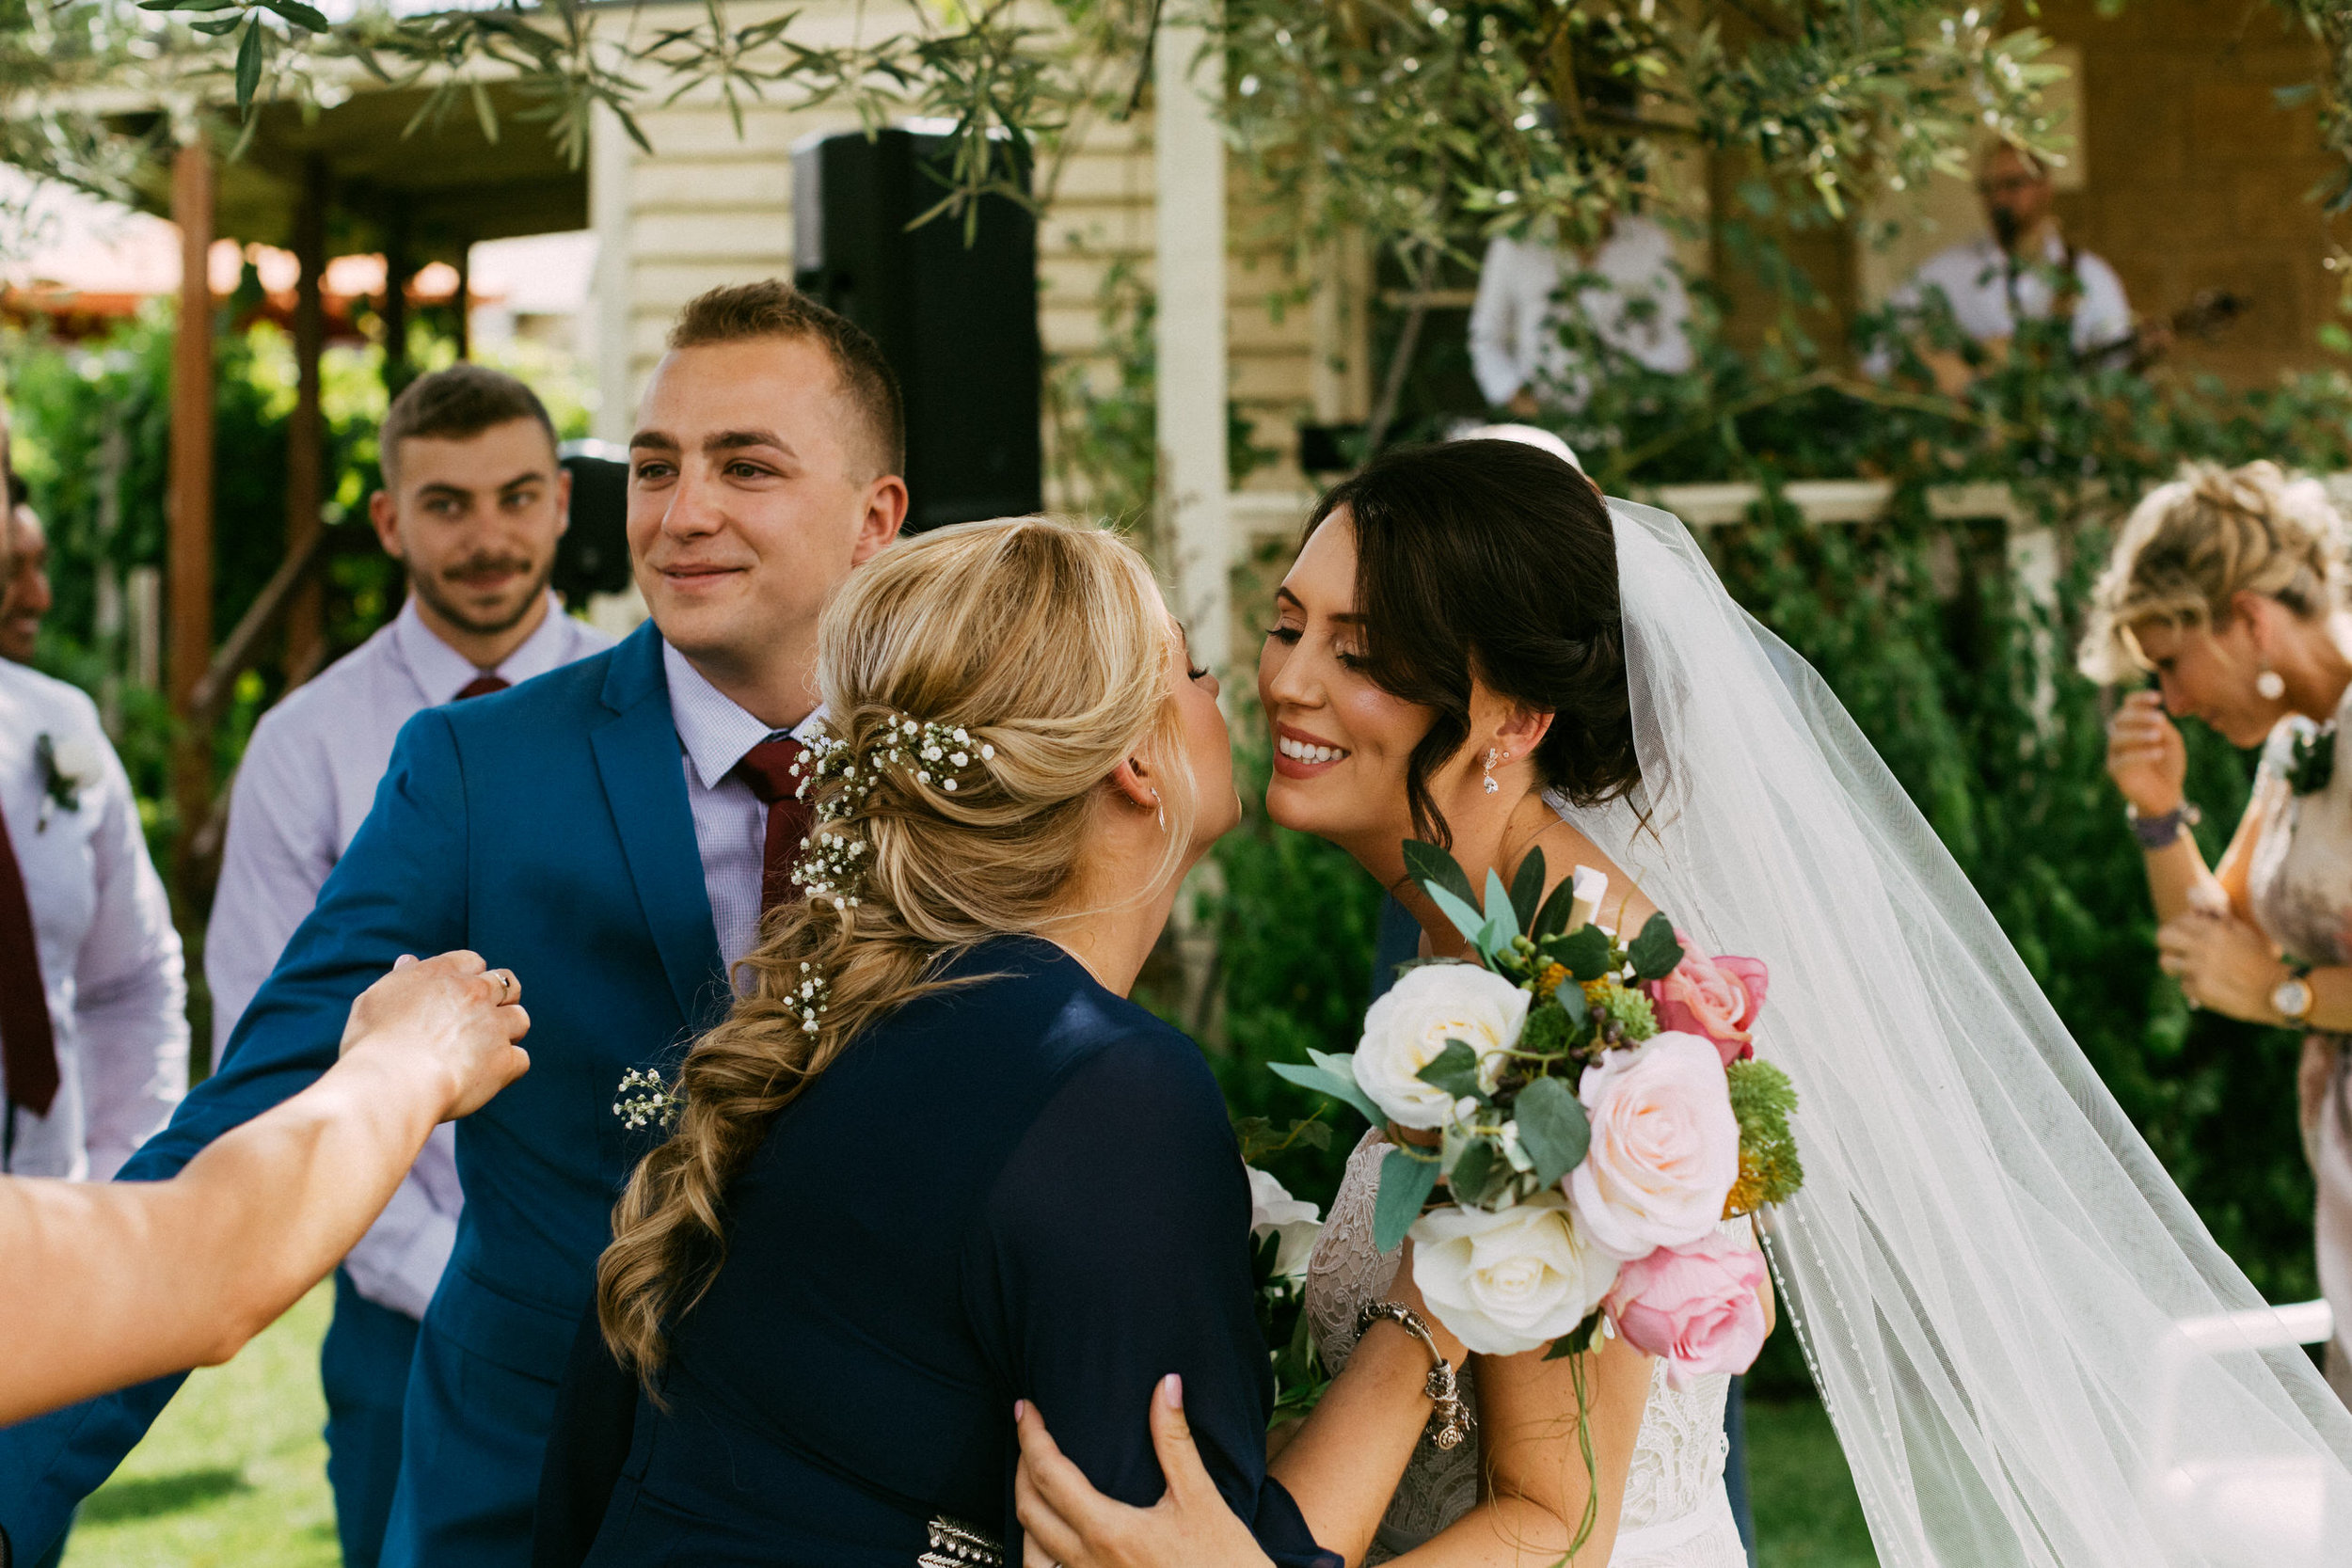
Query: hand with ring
[(453, 1015)]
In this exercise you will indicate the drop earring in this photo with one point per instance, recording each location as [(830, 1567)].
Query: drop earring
[(2271, 684), (1160, 809), (1493, 756)]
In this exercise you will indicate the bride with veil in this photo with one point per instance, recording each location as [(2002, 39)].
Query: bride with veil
[(2032, 1349)]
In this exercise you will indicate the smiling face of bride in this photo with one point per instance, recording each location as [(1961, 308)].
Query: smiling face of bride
[(1452, 606), (1343, 745)]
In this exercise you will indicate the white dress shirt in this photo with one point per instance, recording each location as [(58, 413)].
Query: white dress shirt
[(307, 779), (1630, 296), (1987, 300), (110, 961), (715, 733)]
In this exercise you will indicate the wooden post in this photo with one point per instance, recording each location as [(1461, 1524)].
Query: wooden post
[(190, 552), (397, 270), (305, 432), (463, 303)]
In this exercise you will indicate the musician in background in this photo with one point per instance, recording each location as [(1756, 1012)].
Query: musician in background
[(2024, 270), (1626, 293)]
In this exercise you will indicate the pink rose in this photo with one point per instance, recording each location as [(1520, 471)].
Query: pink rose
[(1665, 1147), (1694, 1306), (1718, 998)]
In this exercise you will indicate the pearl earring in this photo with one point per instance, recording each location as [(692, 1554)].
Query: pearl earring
[(2271, 684), (1493, 756)]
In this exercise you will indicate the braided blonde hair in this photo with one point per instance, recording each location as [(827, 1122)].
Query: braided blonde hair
[(1049, 644), (2189, 546)]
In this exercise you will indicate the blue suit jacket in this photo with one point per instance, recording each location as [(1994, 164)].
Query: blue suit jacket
[(548, 828)]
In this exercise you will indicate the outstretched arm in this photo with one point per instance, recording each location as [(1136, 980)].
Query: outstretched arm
[(117, 1282), (402, 889)]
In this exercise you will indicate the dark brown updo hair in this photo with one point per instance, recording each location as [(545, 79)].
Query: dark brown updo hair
[(1495, 562)]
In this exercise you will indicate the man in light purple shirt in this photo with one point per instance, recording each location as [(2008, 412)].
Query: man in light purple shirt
[(472, 506)]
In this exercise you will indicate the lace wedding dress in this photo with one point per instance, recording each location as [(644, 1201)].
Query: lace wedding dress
[(1676, 1515)]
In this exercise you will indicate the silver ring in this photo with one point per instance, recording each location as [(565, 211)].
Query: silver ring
[(505, 979)]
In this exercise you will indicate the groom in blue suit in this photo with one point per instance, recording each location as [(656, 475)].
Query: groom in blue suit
[(600, 831)]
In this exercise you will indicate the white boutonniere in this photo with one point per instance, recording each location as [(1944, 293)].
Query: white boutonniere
[(67, 767)]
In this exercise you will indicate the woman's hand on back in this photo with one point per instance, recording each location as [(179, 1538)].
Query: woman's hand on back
[(2222, 963), (2146, 757), (452, 1015), (1065, 1521)]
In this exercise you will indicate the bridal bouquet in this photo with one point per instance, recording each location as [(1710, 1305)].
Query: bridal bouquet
[(1597, 1109)]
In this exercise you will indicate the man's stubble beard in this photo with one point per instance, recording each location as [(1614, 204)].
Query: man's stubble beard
[(430, 592)]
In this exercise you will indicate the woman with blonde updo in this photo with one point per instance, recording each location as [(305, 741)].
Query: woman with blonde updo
[(935, 1163), (2228, 585)]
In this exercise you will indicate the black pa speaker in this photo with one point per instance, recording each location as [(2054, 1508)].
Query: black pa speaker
[(592, 556), (958, 322)]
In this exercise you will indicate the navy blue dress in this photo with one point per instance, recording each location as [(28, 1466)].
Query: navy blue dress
[(1025, 1187)]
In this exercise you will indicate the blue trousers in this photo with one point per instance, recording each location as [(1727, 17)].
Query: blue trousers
[(364, 1367)]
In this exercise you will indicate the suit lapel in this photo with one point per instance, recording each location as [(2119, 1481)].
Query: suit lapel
[(644, 781)]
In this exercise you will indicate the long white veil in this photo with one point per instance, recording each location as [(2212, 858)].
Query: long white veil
[(2022, 1333)]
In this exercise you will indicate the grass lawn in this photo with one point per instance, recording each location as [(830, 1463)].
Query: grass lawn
[(235, 1474), (1806, 1514)]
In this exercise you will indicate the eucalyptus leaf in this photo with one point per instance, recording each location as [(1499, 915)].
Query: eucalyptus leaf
[(1576, 1340), (1465, 916), (1656, 950), (1434, 868), (1552, 918), (1339, 1085), (1472, 1171), (1586, 952), (1406, 1180), (1499, 909), (1570, 999), (1553, 1129), (1454, 1069), (1527, 891)]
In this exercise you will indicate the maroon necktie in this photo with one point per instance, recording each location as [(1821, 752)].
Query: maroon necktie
[(767, 768), (481, 685), (27, 1046)]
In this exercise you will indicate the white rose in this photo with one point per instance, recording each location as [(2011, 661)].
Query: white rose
[(1509, 1282), (1665, 1147), (1408, 1028), (75, 759), (1274, 1211)]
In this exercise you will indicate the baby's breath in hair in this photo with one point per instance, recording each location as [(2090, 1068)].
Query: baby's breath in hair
[(934, 756)]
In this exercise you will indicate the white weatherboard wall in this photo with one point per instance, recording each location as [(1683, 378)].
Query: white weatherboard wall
[(708, 206)]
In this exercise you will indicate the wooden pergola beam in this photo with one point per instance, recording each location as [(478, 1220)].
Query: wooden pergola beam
[(305, 431), (190, 553)]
